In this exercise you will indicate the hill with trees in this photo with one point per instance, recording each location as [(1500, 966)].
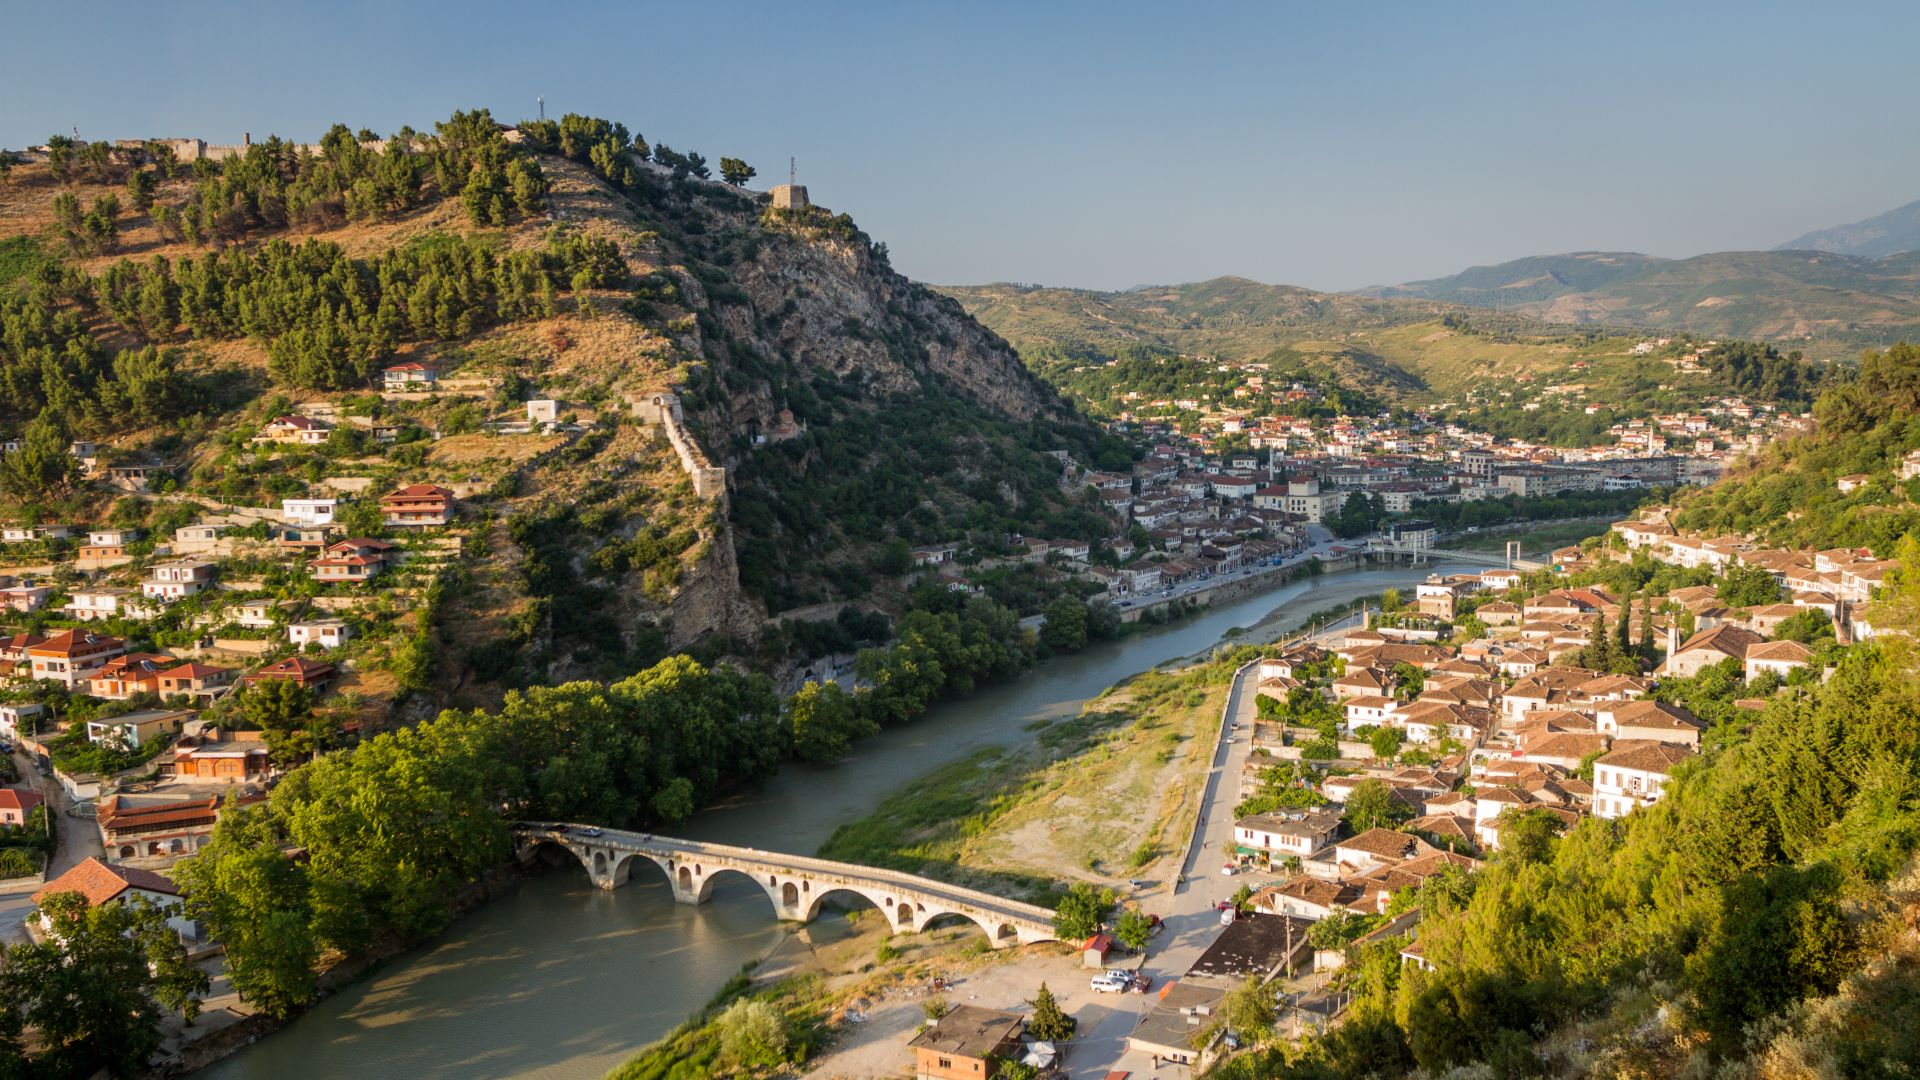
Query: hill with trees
[(1828, 303), (1510, 374), (1396, 350), (168, 309), (1538, 277)]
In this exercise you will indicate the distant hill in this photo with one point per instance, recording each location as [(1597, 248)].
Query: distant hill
[(1396, 349), (1883, 234), (1825, 304), (1539, 277)]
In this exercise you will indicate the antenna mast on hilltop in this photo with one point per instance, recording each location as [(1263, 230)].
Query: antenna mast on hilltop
[(543, 106), (792, 170)]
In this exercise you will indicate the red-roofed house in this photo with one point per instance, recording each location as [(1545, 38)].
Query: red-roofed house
[(72, 655), (417, 506), (196, 680), (99, 884), (309, 673), (15, 805), (411, 375)]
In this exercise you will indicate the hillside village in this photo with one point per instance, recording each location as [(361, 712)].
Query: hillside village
[(1488, 712), (190, 616)]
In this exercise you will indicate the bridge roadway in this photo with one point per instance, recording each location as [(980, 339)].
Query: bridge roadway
[(796, 885), (1438, 554)]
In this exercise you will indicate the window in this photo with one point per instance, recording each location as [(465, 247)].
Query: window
[(946, 1063)]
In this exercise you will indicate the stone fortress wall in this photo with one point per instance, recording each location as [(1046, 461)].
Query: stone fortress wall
[(663, 409)]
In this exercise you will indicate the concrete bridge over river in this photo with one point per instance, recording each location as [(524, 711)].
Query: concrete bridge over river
[(796, 885)]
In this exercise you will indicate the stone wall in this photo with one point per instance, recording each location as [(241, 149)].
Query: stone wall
[(663, 410)]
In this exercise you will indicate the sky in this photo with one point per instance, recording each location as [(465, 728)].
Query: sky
[(1099, 145)]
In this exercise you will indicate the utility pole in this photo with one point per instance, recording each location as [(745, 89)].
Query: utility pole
[(542, 101), (793, 172)]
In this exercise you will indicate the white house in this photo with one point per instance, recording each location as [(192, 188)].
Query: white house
[(1273, 834), (1633, 775), (100, 602), (177, 579), (329, 633), (20, 717), (308, 511), (196, 538), (101, 884), (1778, 657)]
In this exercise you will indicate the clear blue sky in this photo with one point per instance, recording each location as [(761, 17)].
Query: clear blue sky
[(1098, 144)]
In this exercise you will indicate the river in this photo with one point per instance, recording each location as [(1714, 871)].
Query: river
[(559, 981)]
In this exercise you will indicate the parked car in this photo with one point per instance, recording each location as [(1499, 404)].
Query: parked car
[(1140, 983), (1110, 982)]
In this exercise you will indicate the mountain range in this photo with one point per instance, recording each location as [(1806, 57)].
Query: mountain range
[(1823, 303), (1883, 234)]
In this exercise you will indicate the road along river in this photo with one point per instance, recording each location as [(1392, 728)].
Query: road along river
[(559, 981)]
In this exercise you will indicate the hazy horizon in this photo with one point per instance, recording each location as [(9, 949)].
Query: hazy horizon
[(1101, 146)]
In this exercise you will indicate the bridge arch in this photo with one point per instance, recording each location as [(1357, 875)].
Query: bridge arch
[(764, 882), (938, 920), (884, 901)]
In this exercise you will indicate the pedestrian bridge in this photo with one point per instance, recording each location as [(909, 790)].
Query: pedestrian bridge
[(1380, 546), (796, 885)]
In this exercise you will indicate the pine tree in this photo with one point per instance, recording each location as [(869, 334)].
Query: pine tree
[(1598, 654), (1048, 1022)]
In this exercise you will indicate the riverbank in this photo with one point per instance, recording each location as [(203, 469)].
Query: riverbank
[(1093, 797), (558, 980)]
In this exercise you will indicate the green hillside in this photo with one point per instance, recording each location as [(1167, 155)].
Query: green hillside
[(1396, 350), (1826, 304), (1538, 277)]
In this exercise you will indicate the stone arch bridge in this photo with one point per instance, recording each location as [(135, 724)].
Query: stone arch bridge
[(796, 885)]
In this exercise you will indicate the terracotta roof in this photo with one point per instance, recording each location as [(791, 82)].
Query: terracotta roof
[(1316, 891), (193, 670), (1383, 843), (1655, 757), (71, 642), (1780, 650), (421, 491), (1725, 638), (121, 818), (298, 667), (100, 883), (1451, 826), (1655, 714), (15, 799)]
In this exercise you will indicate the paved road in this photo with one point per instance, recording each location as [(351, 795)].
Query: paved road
[(79, 836), (1188, 909)]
